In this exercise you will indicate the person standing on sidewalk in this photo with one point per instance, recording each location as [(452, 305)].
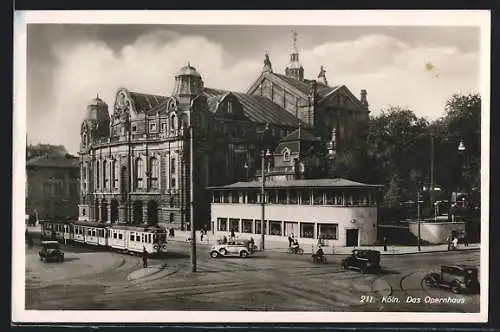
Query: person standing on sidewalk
[(145, 257), (385, 243), (448, 239)]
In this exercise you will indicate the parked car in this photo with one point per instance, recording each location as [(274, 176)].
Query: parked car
[(458, 278), (51, 251), (367, 261), (240, 248)]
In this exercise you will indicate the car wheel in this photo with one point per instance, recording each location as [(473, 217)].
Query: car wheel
[(455, 287), (223, 252), (243, 254), (214, 254)]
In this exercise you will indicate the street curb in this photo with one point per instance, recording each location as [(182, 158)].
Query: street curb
[(382, 253)]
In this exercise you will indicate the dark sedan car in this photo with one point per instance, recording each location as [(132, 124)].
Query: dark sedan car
[(366, 261), (457, 278), (51, 251)]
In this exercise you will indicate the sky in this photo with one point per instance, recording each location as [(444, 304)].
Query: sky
[(69, 64)]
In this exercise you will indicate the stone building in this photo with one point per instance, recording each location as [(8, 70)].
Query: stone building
[(52, 187), (135, 158)]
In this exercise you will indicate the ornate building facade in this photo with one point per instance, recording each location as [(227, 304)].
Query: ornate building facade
[(135, 158)]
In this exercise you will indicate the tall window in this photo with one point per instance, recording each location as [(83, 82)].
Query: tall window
[(155, 171), (172, 166), (97, 175), (105, 173), (139, 173), (116, 173), (173, 123)]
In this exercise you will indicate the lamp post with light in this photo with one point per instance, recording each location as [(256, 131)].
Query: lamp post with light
[(264, 155), (246, 169)]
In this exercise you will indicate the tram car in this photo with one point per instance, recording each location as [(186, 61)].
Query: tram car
[(134, 239), (55, 230), (89, 232)]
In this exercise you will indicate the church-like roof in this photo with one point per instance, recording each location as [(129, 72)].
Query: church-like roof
[(300, 135), (145, 102), (304, 86), (257, 108)]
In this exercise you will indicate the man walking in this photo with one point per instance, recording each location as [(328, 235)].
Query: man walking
[(145, 257)]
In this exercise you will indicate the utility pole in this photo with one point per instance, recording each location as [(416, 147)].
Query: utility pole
[(191, 194), (418, 218), (263, 199), (431, 187)]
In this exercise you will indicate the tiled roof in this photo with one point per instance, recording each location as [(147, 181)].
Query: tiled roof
[(144, 102), (307, 183), (303, 86), (54, 161), (257, 108), (300, 135)]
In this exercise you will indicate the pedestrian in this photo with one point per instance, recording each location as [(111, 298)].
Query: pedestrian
[(201, 235), (466, 240), (448, 240), (233, 236), (290, 241), (385, 243), (145, 257), (455, 243)]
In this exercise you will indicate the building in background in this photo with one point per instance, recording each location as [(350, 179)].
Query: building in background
[(52, 186), (135, 158)]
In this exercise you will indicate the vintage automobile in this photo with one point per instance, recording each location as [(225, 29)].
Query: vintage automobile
[(241, 248), (367, 261), (458, 278), (51, 251)]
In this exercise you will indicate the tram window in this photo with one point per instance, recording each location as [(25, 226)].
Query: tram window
[(149, 238), (163, 237), (89, 232), (142, 237), (93, 232), (132, 237), (120, 236), (114, 235)]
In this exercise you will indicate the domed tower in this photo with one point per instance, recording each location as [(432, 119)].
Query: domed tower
[(295, 69), (96, 122), (188, 84)]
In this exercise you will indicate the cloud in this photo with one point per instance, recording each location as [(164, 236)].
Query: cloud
[(392, 72)]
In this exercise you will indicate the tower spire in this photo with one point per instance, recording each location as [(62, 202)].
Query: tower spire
[(295, 34), (294, 69)]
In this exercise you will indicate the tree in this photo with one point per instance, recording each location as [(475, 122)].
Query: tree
[(392, 195)]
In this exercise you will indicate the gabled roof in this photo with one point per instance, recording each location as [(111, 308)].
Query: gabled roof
[(305, 183), (145, 102), (304, 86), (54, 162), (257, 108), (300, 135)]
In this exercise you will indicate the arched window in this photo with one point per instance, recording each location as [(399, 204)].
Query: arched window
[(116, 173), (155, 171), (286, 154), (172, 166), (105, 174), (97, 174), (173, 123), (139, 173)]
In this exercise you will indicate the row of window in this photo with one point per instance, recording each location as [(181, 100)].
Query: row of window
[(292, 196), (111, 173), (278, 228)]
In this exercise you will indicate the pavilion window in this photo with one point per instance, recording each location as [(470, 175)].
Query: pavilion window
[(139, 173), (246, 225), (222, 224), (327, 231), (282, 197), (216, 196), (305, 197), (275, 227), (225, 197), (234, 225), (272, 196), (257, 226), (116, 173), (293, 197), (252, 197), (339, 199), (330, 197), (355, 200), (235, 197), (318, 197), (98, 173), (307, 230)]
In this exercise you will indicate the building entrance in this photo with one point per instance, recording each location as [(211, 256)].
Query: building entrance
[(352, 237)]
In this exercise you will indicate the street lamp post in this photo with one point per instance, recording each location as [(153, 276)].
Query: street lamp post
[(264, 155), (418, 220)]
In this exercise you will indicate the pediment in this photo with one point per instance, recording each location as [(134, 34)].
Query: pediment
[(123, 105), (341, 97)]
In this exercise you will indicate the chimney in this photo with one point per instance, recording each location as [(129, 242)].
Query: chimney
[(364, 101)]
